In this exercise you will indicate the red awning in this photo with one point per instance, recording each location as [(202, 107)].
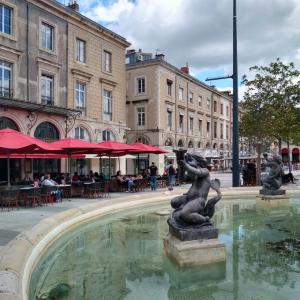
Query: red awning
[(284, 151), (142, 148), (295, 151), (115, 148)]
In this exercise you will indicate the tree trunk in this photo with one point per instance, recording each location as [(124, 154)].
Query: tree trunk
[(258, 167), (289, 158), (279, 146)]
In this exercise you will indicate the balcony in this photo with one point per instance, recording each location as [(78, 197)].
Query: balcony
[(6, 93), (47, 100)]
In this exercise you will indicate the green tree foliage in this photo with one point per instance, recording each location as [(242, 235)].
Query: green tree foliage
[(269, 109)]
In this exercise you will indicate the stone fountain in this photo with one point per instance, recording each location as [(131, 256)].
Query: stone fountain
[(193, 239)]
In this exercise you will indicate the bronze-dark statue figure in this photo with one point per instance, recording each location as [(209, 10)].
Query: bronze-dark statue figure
[(193, 210), (273, 181)]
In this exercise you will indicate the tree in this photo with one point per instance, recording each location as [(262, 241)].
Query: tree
[(269, 108)]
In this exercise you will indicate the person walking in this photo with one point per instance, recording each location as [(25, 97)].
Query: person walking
[(153, 176), (171, 173)]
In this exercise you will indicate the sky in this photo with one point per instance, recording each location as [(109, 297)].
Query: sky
[(199, 32)]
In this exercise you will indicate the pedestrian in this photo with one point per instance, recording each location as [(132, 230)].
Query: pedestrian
[(171, 173), (153, 176)]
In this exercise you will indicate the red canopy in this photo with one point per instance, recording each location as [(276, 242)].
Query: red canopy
[(142, 148), (71, 145), (295, 151), (117, 148), (284, 151), (13, 142)]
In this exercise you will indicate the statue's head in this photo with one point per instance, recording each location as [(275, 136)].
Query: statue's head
[(277, 159), (195, 160)]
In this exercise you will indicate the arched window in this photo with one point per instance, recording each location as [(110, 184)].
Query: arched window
[(207, 145), (180, 144), (191, 144), (168, 142), (215, 146), (46, 132), (142, 139), (221, 147), (107, 135), (8, 123), (199, 145), (82, 134)]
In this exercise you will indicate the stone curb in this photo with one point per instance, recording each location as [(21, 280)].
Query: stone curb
[(19, 257)]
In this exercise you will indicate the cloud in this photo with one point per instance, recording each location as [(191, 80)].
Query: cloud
[(200, 31)]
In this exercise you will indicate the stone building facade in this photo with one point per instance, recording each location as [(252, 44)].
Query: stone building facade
[(168, 107), (62, 75)]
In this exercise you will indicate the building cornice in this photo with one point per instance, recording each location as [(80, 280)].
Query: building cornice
[(73, 16), (11, 50), (36, 107), (108, 81), (81, 73)]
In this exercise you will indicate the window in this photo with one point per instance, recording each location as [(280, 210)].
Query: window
[(215, 106), (191, 124), (215, 130), (80, 50), (47, 132), (169, 119), (82, 134), (191, 95), (47, 36), (108, 136), (208, 103), (227, 132), (169, 87), (107, 99), (47, 86), (5, 19), (181, 116), (227, 111), (5, 79), (200, 100), (180, 93), (80, 96), (221, 131), (141, 116), (200, 127), (142, 139), (141, 85), (107, 61), (221, 109), (208, 128)]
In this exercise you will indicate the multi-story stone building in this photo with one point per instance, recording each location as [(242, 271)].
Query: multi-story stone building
[(168, 107), (55, 64)]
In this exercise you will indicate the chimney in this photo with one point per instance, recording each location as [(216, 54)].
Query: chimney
[(185, 69), (74, 5), (160, 56), (130, 51)]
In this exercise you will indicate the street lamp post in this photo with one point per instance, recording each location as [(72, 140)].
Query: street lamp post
[(235, 108)]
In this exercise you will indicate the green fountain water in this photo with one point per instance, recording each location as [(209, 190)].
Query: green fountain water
[(122, 257)]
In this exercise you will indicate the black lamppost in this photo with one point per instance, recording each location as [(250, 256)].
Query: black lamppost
[(235, 108)]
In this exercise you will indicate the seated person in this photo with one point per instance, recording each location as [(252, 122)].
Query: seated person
[(36, 182), (75, 178), (48, 182), (96, 177), (27, 178), (119, 177), (130, 183)]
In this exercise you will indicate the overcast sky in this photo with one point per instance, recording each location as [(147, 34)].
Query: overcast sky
[(200, 31)]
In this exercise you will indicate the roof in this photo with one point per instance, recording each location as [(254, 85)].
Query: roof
[(87, 20), (163, 62)]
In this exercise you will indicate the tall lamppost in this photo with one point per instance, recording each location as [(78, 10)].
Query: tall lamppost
[(235, 106)]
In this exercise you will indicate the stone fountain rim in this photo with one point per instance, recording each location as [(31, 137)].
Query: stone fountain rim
[(20, 256)]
